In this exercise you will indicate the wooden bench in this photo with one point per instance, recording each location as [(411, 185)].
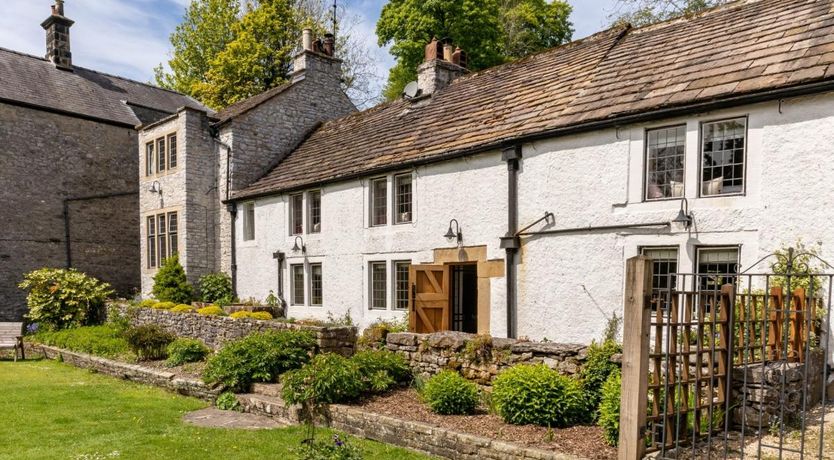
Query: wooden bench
[(11, 337)]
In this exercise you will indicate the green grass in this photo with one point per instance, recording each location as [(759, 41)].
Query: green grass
[(106, 341), (53, 411)]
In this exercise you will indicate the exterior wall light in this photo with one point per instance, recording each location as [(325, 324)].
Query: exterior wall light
[(456, 233), (296, 248), (155, 187), (684, 216)]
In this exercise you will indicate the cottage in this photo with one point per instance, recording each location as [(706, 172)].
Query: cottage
[(506, 201), (67, 169)]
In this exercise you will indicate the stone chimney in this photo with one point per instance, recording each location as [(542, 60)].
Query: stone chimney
[(316, 59), (57, 28), (441, 66)]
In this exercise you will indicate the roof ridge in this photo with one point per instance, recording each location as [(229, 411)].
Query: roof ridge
[(692, 16)]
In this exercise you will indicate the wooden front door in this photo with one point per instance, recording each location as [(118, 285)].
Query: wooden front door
[(429, 299)]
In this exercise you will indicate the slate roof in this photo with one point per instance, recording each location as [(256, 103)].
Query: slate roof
[(743, 48), (36, 82), (246, 105)]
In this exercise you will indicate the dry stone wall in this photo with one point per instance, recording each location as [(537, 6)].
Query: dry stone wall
[(481, 358)]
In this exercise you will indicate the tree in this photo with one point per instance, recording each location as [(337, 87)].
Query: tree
[(533, 25), (170, 283), (644, 12)]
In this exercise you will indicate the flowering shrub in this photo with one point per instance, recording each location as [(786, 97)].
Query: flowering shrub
[(183, 308), (148, 303), (62, 298), (164, 305), (261, 315), (211, 310)]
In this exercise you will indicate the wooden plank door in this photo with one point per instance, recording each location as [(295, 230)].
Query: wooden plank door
[(429, 299)]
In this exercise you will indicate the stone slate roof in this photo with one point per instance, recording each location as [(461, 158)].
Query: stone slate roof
[(36, 82), (246, 105), (743, 48)]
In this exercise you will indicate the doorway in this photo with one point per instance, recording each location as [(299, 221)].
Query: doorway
[(464, 298)]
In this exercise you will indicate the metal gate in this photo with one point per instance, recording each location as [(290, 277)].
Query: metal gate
[(736, 364)]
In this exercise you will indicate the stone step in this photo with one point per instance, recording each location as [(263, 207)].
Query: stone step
[(268, 389), (269, 406)]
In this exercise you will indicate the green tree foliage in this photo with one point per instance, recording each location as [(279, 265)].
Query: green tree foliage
[(490, 31), (216, 287), (62, 298), (170, 284), (609, 408), (598, 367), (644, 12)]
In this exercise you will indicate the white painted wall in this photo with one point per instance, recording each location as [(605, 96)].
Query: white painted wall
[(569, 285)]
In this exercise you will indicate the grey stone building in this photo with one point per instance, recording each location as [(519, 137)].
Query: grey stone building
[(182, 192), (68, 162)]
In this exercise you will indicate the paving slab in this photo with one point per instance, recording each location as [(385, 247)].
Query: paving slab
[(212, 417)]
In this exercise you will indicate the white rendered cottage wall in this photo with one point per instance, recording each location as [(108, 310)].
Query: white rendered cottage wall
[(471, 190), (569, 285)]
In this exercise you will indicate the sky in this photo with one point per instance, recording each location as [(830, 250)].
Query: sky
[(130, 37)]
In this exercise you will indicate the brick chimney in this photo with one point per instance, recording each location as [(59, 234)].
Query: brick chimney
[(57, 28), (440, 67), (316, 59)]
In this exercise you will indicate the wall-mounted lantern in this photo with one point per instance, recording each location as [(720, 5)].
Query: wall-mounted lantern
[(302, 248), (155, 187), (454, 233), (685, 217)]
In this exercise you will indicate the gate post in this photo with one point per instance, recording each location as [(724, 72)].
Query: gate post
[(634, 395)]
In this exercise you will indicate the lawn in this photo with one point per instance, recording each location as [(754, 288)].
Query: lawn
[(51, 410)]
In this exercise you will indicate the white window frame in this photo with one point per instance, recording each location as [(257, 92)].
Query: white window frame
[(310, 267), (398, 219), (372, 201), (702, 131), (394, 266), (293, 284), (292, 218), (309, 207), (385, 294), (646, 163)]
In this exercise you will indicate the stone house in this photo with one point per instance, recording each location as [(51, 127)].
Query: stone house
[(506, 201), (67, 185)]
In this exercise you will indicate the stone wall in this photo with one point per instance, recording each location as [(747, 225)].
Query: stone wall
[(481, 358), (46, 159), (134, 372), (757, 390), (216, 330)]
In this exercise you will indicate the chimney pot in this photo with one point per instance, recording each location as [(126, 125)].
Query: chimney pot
[(307, 39), (434, 50), (447, 52), (459, 58), (329, 44)]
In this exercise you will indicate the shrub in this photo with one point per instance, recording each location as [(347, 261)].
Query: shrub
[(329, 378), (609, 408), (375, 335), (183, 308), (597, 368), (62, 298), (261, 315), (164, 305), (170, 284), (211, 310), (105, 341), (336, 449), (381, 369), (184, 350), (149, 341), (215, 287), (259, 357), (448, 393), (535, 394), (227, 401), (119, 319), (148, 303)]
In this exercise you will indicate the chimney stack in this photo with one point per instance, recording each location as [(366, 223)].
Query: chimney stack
[(441, 66), (316, 60), (57, 28)]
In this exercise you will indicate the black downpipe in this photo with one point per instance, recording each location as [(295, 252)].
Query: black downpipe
[(280, 256), (67, 201), (511, 242), (232, 208)]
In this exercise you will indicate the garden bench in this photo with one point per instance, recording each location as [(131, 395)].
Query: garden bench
[(11, 337)]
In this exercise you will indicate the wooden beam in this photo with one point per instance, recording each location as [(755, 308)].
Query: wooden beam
[(634, 395)]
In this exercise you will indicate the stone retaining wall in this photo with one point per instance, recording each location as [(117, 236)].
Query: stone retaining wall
[(134, 372), (481, 358), (216, 330)]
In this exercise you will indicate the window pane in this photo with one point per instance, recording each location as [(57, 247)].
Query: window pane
[(296, 210), (664, 264), (665, 151), (402, 208), (722, 161), (401, 285), (151, 230), (379, 280), (315, 284), (714, 266), (173, 244), (379, 202), (249, 221), (172, 151), (297, 272), (149, 161), (161, 241), (160, 148), (315, 211)]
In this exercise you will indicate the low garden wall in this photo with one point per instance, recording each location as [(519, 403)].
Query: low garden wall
[(481, 358), (217, 330), (126, 371)]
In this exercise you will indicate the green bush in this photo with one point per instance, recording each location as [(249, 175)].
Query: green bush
[(183, 308), (215, 287), (148, 303), (164, 305), (106, 341), (211, 310), (609, 408), (261, 315), (227, 401), (327, 379), (184, 350), (375, 335), (598, 367), (334, 449), (448, 393), (259, 357), (170, 284), (535, 394), (381, 369), (149, 341), (62, 298)]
